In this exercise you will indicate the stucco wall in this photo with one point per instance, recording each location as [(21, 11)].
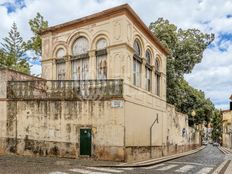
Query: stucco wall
[(226, 140), (7, 75), (11, 75), (165, 137), (42, 126), (227, 127), (138, 120)]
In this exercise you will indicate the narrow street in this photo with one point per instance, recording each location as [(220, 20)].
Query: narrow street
[(202, 162)]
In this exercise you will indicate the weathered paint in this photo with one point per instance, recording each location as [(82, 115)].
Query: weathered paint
[(35, 129), (44, 117)]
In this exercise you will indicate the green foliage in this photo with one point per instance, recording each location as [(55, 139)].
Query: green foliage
[(217, 126), (37, 24), (12, 53), (186, 46), (191, 100), (186, 50), (2, 55)]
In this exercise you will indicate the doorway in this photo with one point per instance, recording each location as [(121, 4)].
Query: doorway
[(85, 142)]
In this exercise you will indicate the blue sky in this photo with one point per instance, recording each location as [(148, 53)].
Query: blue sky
[(213, 75), (12, 6)]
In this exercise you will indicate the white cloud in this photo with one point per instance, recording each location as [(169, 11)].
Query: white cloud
[(212, 75), (36, 70)]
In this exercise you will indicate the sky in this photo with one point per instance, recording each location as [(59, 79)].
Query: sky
[(213, 75)]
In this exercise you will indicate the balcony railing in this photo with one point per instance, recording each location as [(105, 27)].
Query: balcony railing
[(65, 89)]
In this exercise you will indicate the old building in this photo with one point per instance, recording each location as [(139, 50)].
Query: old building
[(102, 94), (227, 127)]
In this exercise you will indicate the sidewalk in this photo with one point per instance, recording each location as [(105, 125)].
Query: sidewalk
[(225, 150), (153, 161), (19, 161), (226, 166), (56, 161)]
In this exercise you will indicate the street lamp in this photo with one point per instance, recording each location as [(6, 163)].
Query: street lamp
[(193, 114)]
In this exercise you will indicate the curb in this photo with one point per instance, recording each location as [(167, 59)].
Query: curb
[(224, 150), (220, 167), (154, 161)]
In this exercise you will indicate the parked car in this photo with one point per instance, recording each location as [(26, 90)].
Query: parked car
[(215, 144), (205, 143)]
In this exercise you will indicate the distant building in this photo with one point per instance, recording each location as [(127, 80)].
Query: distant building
[(102, 94), (227, 127)]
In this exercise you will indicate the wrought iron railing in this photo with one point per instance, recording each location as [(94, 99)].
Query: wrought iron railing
[(65, 89)]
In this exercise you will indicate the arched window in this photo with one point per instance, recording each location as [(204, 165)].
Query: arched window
[(148, 56), (137, 63), (80, 46), (101, 44), (157, 65), (60, 53), (148, 70), (137, 47), (60, 64), (157, 76), (80, 59), (101, 59)]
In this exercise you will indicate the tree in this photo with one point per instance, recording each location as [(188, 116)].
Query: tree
[(217, 127), (12, 54), (37, 25), (186, 46), (1, 58), (186, 50)]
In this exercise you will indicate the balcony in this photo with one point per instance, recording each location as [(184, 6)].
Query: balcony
[(65, 89)]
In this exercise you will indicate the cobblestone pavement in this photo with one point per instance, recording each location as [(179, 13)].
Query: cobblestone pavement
[(203, 162)]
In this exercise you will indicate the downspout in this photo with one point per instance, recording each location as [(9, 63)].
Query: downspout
[(230, 123), (156, 120), (16, 134)]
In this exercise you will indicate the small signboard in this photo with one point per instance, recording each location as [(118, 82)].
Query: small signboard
[(117, 103)]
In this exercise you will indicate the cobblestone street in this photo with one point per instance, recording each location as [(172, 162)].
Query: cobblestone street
[(202, 162)]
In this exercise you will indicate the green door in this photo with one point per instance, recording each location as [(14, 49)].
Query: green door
[(85, 142)]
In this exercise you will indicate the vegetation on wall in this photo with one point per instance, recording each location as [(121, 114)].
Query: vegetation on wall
[(186, 50)]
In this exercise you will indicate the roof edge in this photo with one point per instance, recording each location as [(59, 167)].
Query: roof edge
[(116, 9), (95, 15)]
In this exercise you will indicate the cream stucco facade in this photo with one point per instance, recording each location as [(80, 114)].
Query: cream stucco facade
[(116, 89), (227, 128)]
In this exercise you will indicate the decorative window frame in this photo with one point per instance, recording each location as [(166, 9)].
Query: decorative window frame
[(60, 60), (158, 76), (148, 69), (101, 53), (79, 57), (137, 59)]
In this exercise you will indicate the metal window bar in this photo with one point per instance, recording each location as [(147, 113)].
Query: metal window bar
[(102, 52)]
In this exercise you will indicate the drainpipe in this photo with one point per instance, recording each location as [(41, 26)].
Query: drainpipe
[(156, 120), (16, 134), (231, 122)]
